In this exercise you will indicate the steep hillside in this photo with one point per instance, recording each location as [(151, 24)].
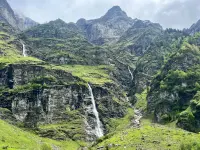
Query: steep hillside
[(61, 43), (24, 22), (149, 136), (53, 100), (108, 28), (173, 89), (8, 16), (12, 137), (194, 28)]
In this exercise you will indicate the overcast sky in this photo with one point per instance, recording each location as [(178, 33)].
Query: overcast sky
[(169, 13)]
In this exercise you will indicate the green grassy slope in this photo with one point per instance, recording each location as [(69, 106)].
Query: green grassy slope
[(13, 138), (151, 136)]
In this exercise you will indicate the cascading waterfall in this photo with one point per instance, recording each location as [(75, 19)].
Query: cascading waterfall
[(130, 73), (24, 50), (137, 116), (98, 129)]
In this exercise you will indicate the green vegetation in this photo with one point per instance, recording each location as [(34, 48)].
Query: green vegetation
[(117, 124), (93, 74), (13, 138), (72, 128), (190, 118), (150, 136), (141, 101), (10, 53)]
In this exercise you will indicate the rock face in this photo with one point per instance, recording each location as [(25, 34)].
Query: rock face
[(54, 29), (108, 28), (8, 16), (194, 28), (38, 97), (159, 45), (24, 22), (140, 36)]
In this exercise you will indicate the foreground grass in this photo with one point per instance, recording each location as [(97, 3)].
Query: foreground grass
[(151, 137), (13, 138)]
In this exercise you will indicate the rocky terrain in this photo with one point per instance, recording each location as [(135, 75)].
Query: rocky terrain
[(16, 20), (107, 83)]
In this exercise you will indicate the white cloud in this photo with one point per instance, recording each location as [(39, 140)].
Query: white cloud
[(170, 13)]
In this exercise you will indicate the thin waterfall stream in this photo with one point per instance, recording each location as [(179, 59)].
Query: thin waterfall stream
[(24, 50), (98, 128), (130, 73)]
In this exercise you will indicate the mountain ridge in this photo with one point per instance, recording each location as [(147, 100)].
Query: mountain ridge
[(123, 76), (12, 18)]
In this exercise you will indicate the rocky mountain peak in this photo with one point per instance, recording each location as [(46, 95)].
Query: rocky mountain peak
[(58, 21), (194, 28), (81, 22), (145, 24), (15, 19), (115, 11)]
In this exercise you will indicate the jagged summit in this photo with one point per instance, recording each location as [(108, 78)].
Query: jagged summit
[(115, 11), (108, 28), (194, 28)]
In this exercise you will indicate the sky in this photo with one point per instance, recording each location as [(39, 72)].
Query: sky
[(169, 13)]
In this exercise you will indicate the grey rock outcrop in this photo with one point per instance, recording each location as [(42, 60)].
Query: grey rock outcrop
[(37, 96), (17, 21), (108, 28)]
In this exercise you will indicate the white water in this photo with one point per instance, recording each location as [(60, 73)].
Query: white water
[(130, 73), (24, 50), (137, 117), (98, 129)]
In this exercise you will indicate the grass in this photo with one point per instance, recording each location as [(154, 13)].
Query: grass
[(141, 101), (150, 136), (10, 53), (98, 75), (7, 60), (13, 138), (117, 124)]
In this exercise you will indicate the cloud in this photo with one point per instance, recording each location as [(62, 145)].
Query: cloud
[(169, 13)]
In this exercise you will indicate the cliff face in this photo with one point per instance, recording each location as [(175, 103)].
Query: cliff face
[(108, 28), (18, 22), (40, 97)]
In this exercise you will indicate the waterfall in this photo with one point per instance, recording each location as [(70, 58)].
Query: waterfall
[(98, 129), (137, 116), (24, 50), (130, 73)]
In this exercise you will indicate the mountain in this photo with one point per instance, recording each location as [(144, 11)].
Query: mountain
[(24, 22), (54, 29), (62, 43), (18, 22), (7, 15), (108, 28), (140, 36), (108, 83), (174, 92), (194, 28)]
